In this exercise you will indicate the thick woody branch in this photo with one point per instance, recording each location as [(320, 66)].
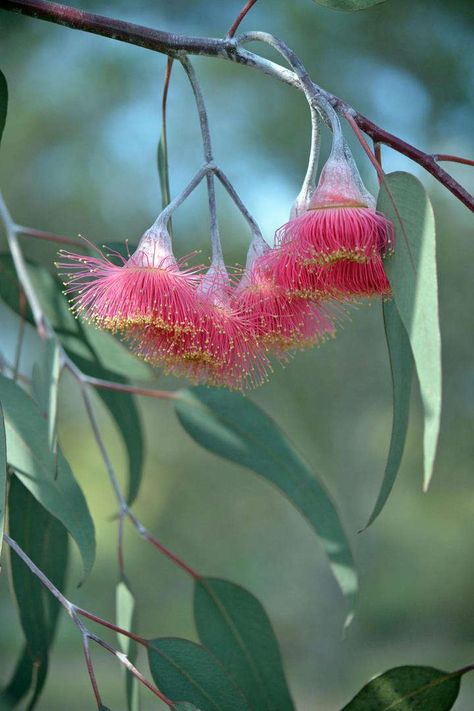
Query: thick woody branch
[(173, 44)]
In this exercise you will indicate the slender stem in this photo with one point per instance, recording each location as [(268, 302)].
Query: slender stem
[(165, 180), (122, 388), (21, 333), (90, 670), (48, 236), (105, 623), (309, 182), (254, 228), (159, 546), (378, 152), (100, 442), (452, 159), (120, 556), (69, 607), (217, 256), (165, 215), (125, 661), (171, 43), (74, 613), (233, 28)]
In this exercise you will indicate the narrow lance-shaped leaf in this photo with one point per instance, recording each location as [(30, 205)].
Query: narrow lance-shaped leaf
[(401, 364), (3, 475), (185, 671), (234, 626), (233, 427), (412, 274), (32, 460), (349, 4), (44, 540), (46, 386), (409, 688), (125, 607)]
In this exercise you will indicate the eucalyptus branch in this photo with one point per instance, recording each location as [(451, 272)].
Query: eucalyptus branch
[(74, 613), (227, 48)]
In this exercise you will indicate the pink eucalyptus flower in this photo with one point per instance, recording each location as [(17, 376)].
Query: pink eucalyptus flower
[(220, 349), (280, 320), (340, 237), (150, 288)]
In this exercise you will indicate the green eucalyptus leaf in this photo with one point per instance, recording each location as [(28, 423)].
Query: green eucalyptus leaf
[(233, 427), (349, 4), (3, 475), (402, 366), (412, 274), (185, 706), (234, 626), (44, 539), (96, 353), (3, 102), (185, 671), (408, 688), (46, 376), (34, 463), (125, 607)]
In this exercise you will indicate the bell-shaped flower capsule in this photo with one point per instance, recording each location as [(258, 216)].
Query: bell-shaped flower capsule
[(280, 320), (340, 236), (149, 289)]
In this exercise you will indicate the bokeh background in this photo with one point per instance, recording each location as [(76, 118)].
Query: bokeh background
[(79, 157)]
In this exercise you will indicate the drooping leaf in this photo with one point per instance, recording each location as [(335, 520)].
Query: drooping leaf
[(44, 539), (349, 4), (96, 353), (412, 274), (3, 475), (402, 365), (125, 607), (185, 706), (185, 671), (233, 427), (34, 463), (3, 102), (408, 688), (46, 386), (234, 626)]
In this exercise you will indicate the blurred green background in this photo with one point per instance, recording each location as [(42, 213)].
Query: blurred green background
[(79, 157)]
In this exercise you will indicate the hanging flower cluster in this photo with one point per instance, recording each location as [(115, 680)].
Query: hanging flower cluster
[(219, 330)]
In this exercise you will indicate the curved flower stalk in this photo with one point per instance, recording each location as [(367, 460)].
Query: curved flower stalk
[(340, 238)]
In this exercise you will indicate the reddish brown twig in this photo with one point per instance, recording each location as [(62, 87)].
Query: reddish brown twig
[(233, 28), (452, 159), (49, 236), (132, 389)]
